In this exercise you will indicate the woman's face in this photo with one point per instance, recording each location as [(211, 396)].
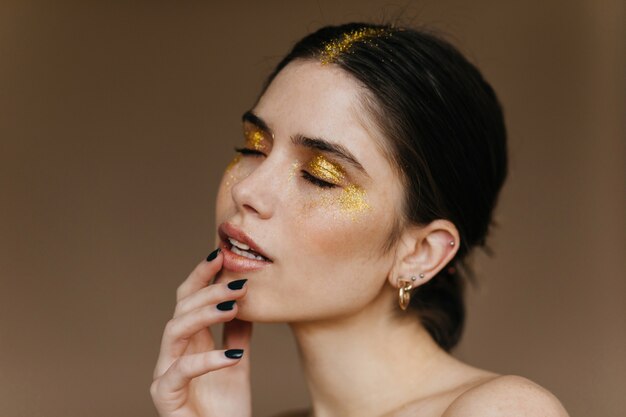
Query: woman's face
[(313, 192)]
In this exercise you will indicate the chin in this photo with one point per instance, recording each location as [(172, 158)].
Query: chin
[(259, 314), (268, 308)]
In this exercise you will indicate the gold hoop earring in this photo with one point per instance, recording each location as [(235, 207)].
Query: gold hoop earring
[(404, 293)]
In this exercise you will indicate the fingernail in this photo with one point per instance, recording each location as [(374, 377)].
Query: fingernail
[(213, 254), (237, 285), (226, 305), (234, 353)]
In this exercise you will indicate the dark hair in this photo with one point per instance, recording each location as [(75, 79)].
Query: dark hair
[(445, 133)]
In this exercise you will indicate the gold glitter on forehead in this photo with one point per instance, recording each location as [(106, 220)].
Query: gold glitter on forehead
[(333, 49), (326, 170)]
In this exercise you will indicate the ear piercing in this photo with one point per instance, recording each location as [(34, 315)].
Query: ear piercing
[(413, 277), (404, 292)]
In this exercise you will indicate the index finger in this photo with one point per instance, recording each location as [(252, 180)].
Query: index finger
[(201, 276)]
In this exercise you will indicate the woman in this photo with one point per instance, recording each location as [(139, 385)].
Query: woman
[(370, 168)]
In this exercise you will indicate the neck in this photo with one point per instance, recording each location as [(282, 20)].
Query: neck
[(368, 363)]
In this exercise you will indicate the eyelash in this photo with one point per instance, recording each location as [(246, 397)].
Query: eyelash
[(307, 177), (249, 152), (316, 181)]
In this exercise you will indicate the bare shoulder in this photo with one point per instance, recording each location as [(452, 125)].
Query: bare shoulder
[(503, 396)]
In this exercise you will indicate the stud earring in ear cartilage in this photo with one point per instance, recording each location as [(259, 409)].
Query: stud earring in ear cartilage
[(413, 277), (452, 243)]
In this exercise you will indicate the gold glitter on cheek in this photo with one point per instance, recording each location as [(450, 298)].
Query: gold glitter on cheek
[(237, 170), (295, 166), (346, 199), (353, 200), (325, 170), (234, 162), (350, 202), (230, 178)]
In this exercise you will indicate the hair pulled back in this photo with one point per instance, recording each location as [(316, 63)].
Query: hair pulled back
[(444, 131)]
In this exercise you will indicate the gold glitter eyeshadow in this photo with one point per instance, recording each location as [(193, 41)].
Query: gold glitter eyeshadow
[(332, 50), (352, 200), (255, 139), (325, 170)]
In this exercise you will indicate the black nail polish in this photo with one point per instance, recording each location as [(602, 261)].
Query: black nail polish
[(213, 254), (226, 305), (237, 285), (234, 353)]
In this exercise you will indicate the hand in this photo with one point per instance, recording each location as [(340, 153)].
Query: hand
[(191, 378)]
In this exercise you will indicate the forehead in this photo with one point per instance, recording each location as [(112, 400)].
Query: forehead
[(312, 94), (317, 100)]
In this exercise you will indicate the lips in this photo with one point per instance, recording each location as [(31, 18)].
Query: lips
[(237, 262)]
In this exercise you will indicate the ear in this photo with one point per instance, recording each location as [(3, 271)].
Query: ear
[(423, 251)]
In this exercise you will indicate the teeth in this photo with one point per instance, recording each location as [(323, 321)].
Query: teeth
[(238, 244), (242, 250), (245, 254)]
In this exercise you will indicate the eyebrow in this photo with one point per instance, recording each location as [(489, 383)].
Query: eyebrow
[(319, 144), (334, 149)]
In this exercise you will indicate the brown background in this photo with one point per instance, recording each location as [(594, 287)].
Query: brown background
[(116, 122)]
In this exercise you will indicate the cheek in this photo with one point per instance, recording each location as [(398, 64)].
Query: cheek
[(342, 224), (237, 170), (349, 206), (230, 175), (341, 266)]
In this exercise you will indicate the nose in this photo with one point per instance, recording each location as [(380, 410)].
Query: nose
[(256, 193)]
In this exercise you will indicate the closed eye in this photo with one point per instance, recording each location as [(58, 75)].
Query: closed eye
[(316, 181), (249, 152), (308, 177)]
